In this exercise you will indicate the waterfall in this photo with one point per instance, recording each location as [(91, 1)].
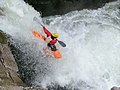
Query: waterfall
[(91, 60)]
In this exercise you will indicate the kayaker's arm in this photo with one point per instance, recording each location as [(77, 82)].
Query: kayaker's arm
[(46, 32)]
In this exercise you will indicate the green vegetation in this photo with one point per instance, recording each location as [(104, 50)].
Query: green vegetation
[(3, 37)]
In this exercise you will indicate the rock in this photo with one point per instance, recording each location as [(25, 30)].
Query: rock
[(34, 88), (20, 88), (9, 78), (3, 37), (115, 88), (8, 68), (60, 7)]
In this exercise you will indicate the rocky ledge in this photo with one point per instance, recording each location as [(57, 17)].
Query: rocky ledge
[(115, 88), (9, 78), (60, 7)]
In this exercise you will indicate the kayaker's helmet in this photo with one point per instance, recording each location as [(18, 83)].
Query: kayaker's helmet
[(56, 35)]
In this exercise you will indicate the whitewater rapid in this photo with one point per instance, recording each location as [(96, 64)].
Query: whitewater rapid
[(91, 60)]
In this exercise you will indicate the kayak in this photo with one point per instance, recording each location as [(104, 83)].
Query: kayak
[(56, 53)]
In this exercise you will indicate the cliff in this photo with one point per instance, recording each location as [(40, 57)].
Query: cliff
[(8, 66), (60, 7), (9, 78)]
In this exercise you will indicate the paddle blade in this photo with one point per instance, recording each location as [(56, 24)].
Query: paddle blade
[(62, 43), (38, 20), (38, 35)]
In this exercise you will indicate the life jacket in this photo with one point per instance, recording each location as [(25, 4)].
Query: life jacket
[(53, 41)]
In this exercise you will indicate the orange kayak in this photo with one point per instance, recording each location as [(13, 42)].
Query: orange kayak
[(56, 53)]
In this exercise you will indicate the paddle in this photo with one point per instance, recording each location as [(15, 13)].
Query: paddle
[(40, 22), (62, 43)]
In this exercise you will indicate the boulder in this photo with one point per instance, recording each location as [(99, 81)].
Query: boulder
[(115, 88), (8, 66), (9, 77), (60, 7)]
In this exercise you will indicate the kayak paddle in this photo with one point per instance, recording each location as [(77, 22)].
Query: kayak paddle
[(40, 22)]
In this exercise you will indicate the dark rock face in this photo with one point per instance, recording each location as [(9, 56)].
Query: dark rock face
[(59, 7), (115, 88), (25, 66), (8, 66)]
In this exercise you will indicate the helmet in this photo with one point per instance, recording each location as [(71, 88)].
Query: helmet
[(56, 35)]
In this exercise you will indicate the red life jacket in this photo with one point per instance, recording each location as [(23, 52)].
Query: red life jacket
[(49, 34), (53, 41)]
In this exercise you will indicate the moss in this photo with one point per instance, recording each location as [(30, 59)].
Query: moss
[(3, 37)]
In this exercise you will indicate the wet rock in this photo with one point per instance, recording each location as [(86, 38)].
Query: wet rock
[(9, 77), (20, 88), (60, 7), (115, 88), (3, 37), (34, 88), (8, 68)]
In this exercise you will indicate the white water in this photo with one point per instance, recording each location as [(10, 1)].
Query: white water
[(91, 60)]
